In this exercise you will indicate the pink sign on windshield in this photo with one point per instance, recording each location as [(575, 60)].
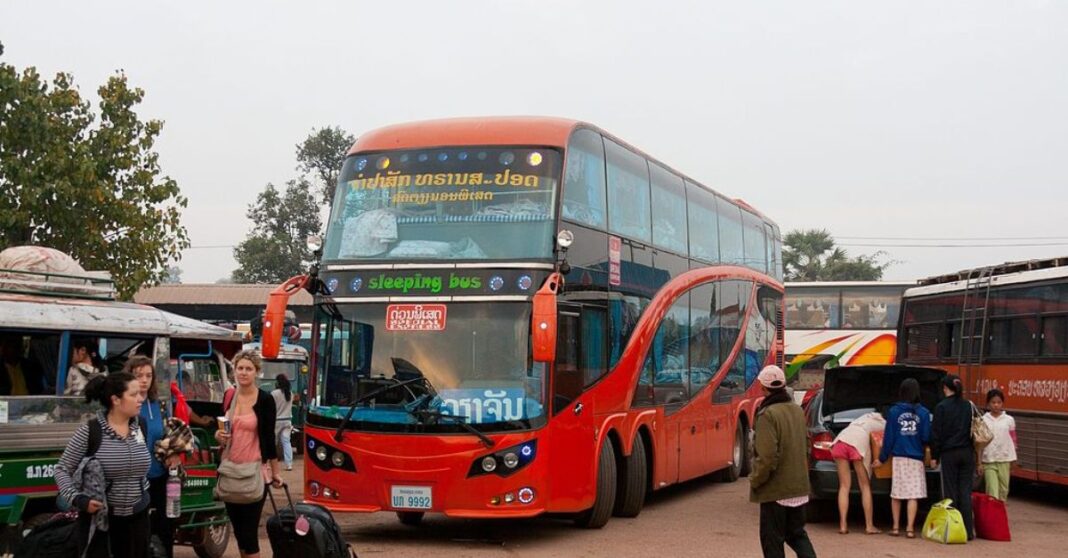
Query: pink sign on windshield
[(415, 317)]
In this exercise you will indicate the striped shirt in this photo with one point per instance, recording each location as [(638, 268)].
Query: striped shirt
[(125, 462)]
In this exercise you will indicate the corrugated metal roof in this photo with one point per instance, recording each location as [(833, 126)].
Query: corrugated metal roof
[(216, 294)]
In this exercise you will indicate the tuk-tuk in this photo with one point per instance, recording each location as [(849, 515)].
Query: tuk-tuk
[(42, 316)]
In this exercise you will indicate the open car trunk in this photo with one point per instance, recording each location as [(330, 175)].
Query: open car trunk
[(875, 387)]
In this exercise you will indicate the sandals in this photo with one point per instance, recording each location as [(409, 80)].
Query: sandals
[(895, 533), (910, 534), (873, 532), (843, 531)]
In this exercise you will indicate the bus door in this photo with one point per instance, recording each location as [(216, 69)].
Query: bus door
[(572, 420)]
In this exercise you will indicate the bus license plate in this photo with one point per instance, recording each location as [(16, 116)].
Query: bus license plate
[(411, 497)]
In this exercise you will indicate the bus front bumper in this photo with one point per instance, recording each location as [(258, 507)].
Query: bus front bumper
[(438, 476)]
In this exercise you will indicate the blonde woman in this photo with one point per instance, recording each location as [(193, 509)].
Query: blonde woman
[(251, 438)]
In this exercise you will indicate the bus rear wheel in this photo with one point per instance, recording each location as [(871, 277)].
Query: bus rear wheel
[(633, 482), (411, 519), (605, 501), (739, 453)]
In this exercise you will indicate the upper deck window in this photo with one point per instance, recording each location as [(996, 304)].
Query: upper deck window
[(472, 203), (584, 184), (628, 193)]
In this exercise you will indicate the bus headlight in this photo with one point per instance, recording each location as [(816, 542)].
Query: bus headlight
[(326, 457), (512, 459)]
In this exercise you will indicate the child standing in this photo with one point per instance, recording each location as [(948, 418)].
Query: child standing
[(999, 454), (908, 429)]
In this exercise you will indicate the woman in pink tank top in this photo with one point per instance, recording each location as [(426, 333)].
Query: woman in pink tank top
[(251, 440)]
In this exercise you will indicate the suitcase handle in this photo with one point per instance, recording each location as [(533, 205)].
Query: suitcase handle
[(285, 487)]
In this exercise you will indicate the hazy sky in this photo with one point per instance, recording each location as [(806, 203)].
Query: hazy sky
[(945, 120)]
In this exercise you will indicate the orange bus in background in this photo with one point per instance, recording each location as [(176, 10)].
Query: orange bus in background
[(1002, 327), (525, 315)]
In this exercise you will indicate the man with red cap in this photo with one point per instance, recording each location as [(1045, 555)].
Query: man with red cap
[(779, 481)]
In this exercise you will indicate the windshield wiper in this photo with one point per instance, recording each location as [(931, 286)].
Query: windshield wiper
[(461, 421), (368, 397)]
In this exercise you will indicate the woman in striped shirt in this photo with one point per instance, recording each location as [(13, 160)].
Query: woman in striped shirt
[(125, 461)]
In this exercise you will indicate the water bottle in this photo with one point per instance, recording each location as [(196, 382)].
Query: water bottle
[(174, 494)]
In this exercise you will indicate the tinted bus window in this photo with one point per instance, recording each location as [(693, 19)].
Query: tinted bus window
[(755, 251), (869, 309), (731, 301), (1015, 337), (670, 355), (731, 244), (628, 192), (1055, 335), (776, 270), (704, 224), (812, 310), (584, 183), (669, 210), (705, 355)]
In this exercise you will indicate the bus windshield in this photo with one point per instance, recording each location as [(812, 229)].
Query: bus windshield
[(478, 203), (469, 360)]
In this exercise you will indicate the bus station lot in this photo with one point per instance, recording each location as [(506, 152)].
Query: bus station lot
[(700, 518)]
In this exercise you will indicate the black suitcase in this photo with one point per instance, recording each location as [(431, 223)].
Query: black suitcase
[(322, 540)]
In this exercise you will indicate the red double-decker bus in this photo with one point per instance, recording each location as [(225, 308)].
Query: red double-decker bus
[(525, 315)]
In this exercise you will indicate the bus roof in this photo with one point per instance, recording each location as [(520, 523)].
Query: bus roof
[(848, 284), (25, 311), (1003, 274), (502, 130)]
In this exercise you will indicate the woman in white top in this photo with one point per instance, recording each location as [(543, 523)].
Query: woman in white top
[(852, 447), (283, 425), (998, 455)]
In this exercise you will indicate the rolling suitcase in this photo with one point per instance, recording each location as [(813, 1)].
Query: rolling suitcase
[(305, 531)]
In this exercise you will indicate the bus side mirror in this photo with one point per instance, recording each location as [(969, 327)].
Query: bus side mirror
[(543, 320), (274, 319)]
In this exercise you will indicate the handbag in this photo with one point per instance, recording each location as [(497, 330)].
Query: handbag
[(981, 433), (991, 519), (239, 483), (945, 524)]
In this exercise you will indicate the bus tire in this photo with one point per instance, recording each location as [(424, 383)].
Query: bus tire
[(409, 518), (633, 482), (605, 501), (747, 454), (213, 541), (738, 455)]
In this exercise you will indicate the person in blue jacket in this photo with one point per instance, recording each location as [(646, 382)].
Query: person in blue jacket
[(908, 429)]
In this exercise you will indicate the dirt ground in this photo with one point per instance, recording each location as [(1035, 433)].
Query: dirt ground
[(700, 518)]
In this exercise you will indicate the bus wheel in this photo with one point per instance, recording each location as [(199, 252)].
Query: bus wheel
[(738, 455), (598, 515), (412, 519), (214, 540), (633, 480), (747, 454)]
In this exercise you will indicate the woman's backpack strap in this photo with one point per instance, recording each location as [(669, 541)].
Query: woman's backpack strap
[(96, 436)]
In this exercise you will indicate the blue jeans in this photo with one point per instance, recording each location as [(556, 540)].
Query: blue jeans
[(283, 433)]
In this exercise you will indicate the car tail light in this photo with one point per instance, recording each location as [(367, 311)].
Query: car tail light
[(821, 446)]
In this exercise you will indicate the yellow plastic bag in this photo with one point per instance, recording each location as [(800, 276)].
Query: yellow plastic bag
[(945, 524)]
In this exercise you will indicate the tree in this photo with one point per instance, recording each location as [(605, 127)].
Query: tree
[(275, 249), (810, 255), (85, 183), (321, 155)]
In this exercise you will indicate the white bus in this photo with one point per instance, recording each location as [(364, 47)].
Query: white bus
[(840, 323)]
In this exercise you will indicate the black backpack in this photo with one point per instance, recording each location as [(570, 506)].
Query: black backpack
[(60, 536)]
